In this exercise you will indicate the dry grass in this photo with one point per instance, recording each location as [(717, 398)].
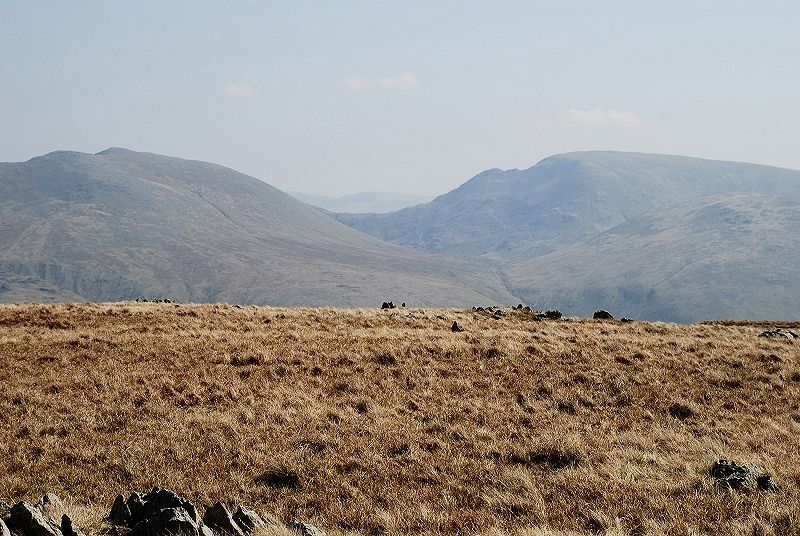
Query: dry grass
[(371, 422)]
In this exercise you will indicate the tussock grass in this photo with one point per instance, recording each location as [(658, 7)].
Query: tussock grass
[(387, 422)]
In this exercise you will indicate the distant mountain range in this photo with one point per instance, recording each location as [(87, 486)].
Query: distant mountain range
[(645, 236), (364, 202), (561, 201), (119, 225)]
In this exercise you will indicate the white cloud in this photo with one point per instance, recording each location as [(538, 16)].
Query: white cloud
[(598, 117), (403, 80), (240, 91)]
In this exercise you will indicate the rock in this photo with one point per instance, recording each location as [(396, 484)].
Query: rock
[(167, 522), (778, 333), (626, 320), (159, 499), (68, 529), (248, 520), (552, 315), (603, 315), (305, 529), (4, 529), (50, 504), (30, 521), (135, 505), (455, 327), (219, 518), (120, 512), (403, 304), (730, 475)]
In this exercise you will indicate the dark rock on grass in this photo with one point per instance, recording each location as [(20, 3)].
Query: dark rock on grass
[(120, 513), (167, 521), (280, 478), (681, 411), (602, 314), (779, 333), (455, 327), (68, 528), (733, 476), (305, 529), (160, 499), (30, 521), (219, 518), (387, 305), (4, 529)]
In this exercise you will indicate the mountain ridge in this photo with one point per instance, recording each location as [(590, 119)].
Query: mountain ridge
[(562, 200), (121, 224)]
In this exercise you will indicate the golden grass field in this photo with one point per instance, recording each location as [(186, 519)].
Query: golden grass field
[(386, 422)]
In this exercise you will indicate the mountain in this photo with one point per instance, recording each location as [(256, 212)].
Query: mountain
[(563, 200), (120, 224), (724, 256), (363, 202)]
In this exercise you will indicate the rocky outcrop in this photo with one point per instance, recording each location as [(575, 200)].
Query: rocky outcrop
[(160, 512), (746, 478), (778, 334), (27, 520), (602, 314)]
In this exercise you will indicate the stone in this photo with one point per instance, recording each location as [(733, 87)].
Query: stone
[(305, 529), (248, 520), (30, 521), (4, 529), (733, 476), (602, 314), (159, 499), (219, 518), (166, 522), (50, 504), (120, 512), (779, 333), (68, 528), (455, 327)]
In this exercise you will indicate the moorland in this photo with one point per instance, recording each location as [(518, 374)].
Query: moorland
[(389, 422)]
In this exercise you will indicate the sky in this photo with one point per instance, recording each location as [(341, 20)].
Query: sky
[(335, 98)]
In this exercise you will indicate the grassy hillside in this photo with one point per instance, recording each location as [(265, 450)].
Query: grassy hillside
[(120, 225), (563, 200), (730, 256), (368, 422)]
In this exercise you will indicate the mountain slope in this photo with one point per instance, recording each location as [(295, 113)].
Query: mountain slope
[(121, 224), (562, 200), (363, 202), (728, 256)]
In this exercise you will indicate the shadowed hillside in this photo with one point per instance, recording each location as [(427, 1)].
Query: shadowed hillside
[(733, 256), (121, 224), (563, 200)]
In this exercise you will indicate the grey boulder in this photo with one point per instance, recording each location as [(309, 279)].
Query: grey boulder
[(305, 529), (30, 521), (219, 518)]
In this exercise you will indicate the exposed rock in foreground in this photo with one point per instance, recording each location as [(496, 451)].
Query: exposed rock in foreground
[(159, 512)]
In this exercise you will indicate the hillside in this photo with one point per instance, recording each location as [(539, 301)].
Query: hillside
[(369, 422), (121, 225), (729, 256), (563, 200), (363, 202)]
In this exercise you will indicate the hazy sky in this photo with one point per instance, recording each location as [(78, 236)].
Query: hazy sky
[(341, 97)]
